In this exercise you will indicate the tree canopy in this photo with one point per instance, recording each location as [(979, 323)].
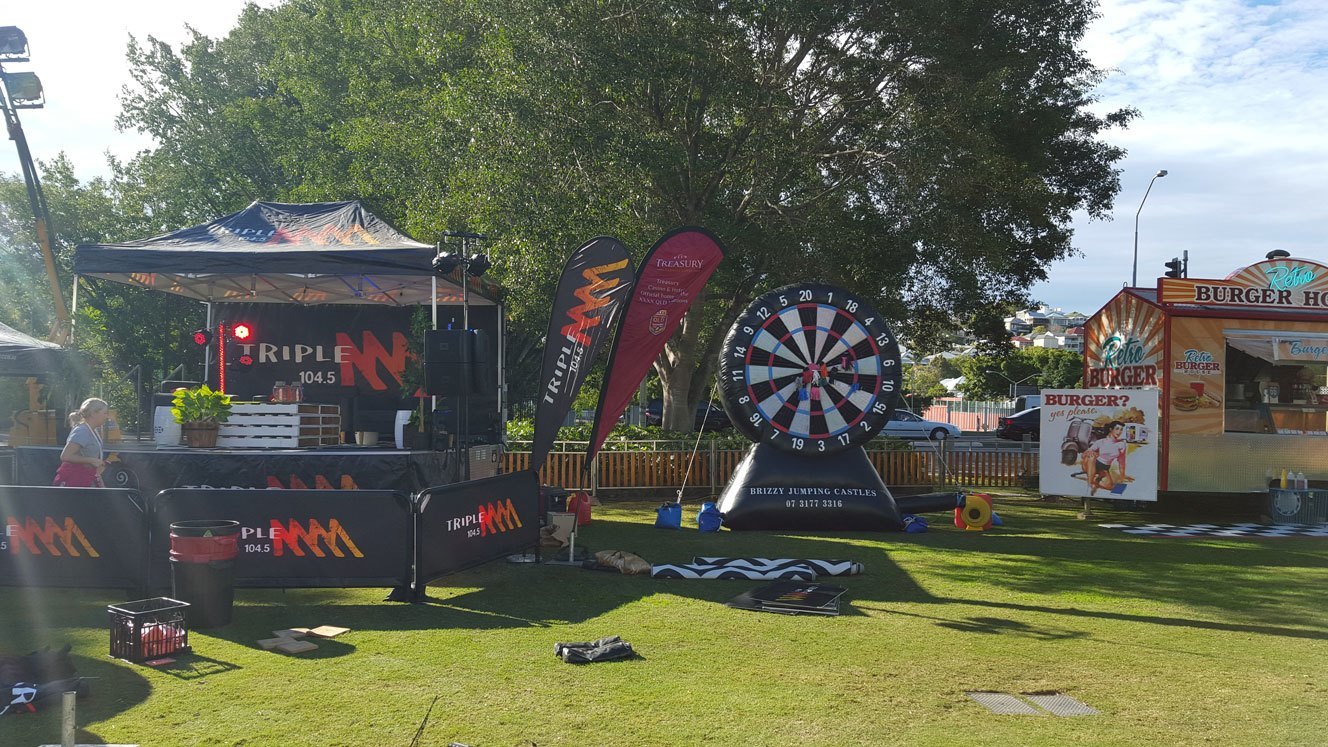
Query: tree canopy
[(927, 154)]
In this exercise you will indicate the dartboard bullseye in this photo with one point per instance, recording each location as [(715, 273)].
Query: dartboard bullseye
[(811, 369)]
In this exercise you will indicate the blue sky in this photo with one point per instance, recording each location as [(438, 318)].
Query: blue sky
[(1233, 97)]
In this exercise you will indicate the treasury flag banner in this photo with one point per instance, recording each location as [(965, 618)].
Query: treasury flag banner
[(671, 277)]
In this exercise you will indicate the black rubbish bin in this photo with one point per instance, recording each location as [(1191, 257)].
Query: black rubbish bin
[(203, 556)]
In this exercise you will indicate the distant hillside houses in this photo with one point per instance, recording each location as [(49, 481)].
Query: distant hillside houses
[(1047, 328)]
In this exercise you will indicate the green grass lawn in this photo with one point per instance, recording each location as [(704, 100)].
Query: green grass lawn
[(1175, 641)]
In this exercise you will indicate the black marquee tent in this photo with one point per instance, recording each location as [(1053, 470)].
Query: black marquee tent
[(270, 252), (308, 255), (25, 355)]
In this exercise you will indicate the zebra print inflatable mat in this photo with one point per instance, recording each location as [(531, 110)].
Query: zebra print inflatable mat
[(822, 567), (702, 570)]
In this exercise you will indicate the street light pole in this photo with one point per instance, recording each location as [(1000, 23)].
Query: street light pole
[(1013, 383), (1134, 272)]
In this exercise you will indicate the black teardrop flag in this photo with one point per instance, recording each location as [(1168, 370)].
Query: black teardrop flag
[(596, 281)]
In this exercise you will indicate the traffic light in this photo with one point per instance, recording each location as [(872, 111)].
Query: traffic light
[(202, 337), (1175, 268)]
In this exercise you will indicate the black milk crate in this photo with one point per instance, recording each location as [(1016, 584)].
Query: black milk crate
[(148, 628)]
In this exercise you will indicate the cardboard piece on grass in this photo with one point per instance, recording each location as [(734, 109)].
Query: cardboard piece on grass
[(291, 633), (268, 644), (327, 631), (296, 647)]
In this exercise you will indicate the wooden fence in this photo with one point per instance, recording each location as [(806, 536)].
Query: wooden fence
[(709, 471)]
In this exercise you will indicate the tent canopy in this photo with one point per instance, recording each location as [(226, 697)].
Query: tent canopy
[(25, 355), (270, 252)]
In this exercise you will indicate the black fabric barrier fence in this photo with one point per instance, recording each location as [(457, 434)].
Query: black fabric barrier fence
[(473, 522), (150, 470), (297, 538), (76, 537)]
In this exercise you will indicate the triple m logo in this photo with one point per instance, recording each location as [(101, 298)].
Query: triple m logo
[(278, 538), (490, 518), (47, 537)]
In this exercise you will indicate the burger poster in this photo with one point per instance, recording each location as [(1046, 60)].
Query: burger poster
[(1099, 443)]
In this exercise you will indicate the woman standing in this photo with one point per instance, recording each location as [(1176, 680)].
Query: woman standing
[(81, 461)]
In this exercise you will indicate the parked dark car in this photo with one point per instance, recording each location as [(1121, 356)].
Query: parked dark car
[(1016, 426), (711, 414)]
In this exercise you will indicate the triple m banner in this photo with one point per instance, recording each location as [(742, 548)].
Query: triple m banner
[(297, 537), (595, 282), (76, 537), (108, 538)]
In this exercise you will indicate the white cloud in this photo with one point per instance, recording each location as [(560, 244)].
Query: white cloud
[(78, 51), (1233, 97)]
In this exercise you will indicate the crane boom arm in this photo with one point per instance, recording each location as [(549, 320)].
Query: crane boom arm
[(41, 216)]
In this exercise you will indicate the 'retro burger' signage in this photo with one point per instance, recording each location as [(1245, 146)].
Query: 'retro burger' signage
[(1123, 345), (1285, 283)]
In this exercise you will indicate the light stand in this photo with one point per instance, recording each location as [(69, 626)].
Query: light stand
[(471, 265), (23, 90)]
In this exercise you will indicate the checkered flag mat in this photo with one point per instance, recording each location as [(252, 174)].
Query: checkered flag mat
[(1248, 529)]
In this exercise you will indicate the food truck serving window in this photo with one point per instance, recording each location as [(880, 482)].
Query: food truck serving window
[(1276, 383)]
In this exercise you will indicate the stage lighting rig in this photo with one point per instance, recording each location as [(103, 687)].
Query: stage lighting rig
[(478, 264), (202, 337), (446, 262), (241, 331)]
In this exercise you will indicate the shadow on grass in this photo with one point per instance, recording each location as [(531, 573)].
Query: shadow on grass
[(196, 667), (1038, 552), (110, 687)]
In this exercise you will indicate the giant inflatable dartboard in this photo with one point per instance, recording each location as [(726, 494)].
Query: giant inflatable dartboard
[(809, 372), (810, 369)]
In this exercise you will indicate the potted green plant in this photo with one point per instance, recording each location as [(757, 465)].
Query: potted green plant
[(200, 413)]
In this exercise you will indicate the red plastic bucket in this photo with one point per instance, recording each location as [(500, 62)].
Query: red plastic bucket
[(204, 541)]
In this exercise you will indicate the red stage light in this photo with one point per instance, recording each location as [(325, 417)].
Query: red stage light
[(202, 337), (242, 331), (245, 360)]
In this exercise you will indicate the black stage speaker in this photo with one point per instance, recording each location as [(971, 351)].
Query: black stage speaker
[(456, 362), (475, 419), (449, 346)]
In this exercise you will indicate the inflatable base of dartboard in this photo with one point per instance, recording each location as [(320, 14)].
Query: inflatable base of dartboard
[(774, 489)]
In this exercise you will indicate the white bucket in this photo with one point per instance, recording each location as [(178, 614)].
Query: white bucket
[(165, 431), (403, 417)]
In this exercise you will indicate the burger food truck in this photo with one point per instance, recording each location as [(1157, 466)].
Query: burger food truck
[(1242, 368)]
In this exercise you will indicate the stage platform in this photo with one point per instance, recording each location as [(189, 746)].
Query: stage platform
[(148, 469)]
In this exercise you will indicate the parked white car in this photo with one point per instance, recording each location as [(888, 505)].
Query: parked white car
[(904, 424)]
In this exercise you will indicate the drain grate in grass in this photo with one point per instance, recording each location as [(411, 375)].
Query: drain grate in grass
[(1060, 704), (1057, 704), (1006, 705)]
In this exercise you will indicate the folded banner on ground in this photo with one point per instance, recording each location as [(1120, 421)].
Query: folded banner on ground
[(670, 278), (730, 573), (822, 567), (596, 280)]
